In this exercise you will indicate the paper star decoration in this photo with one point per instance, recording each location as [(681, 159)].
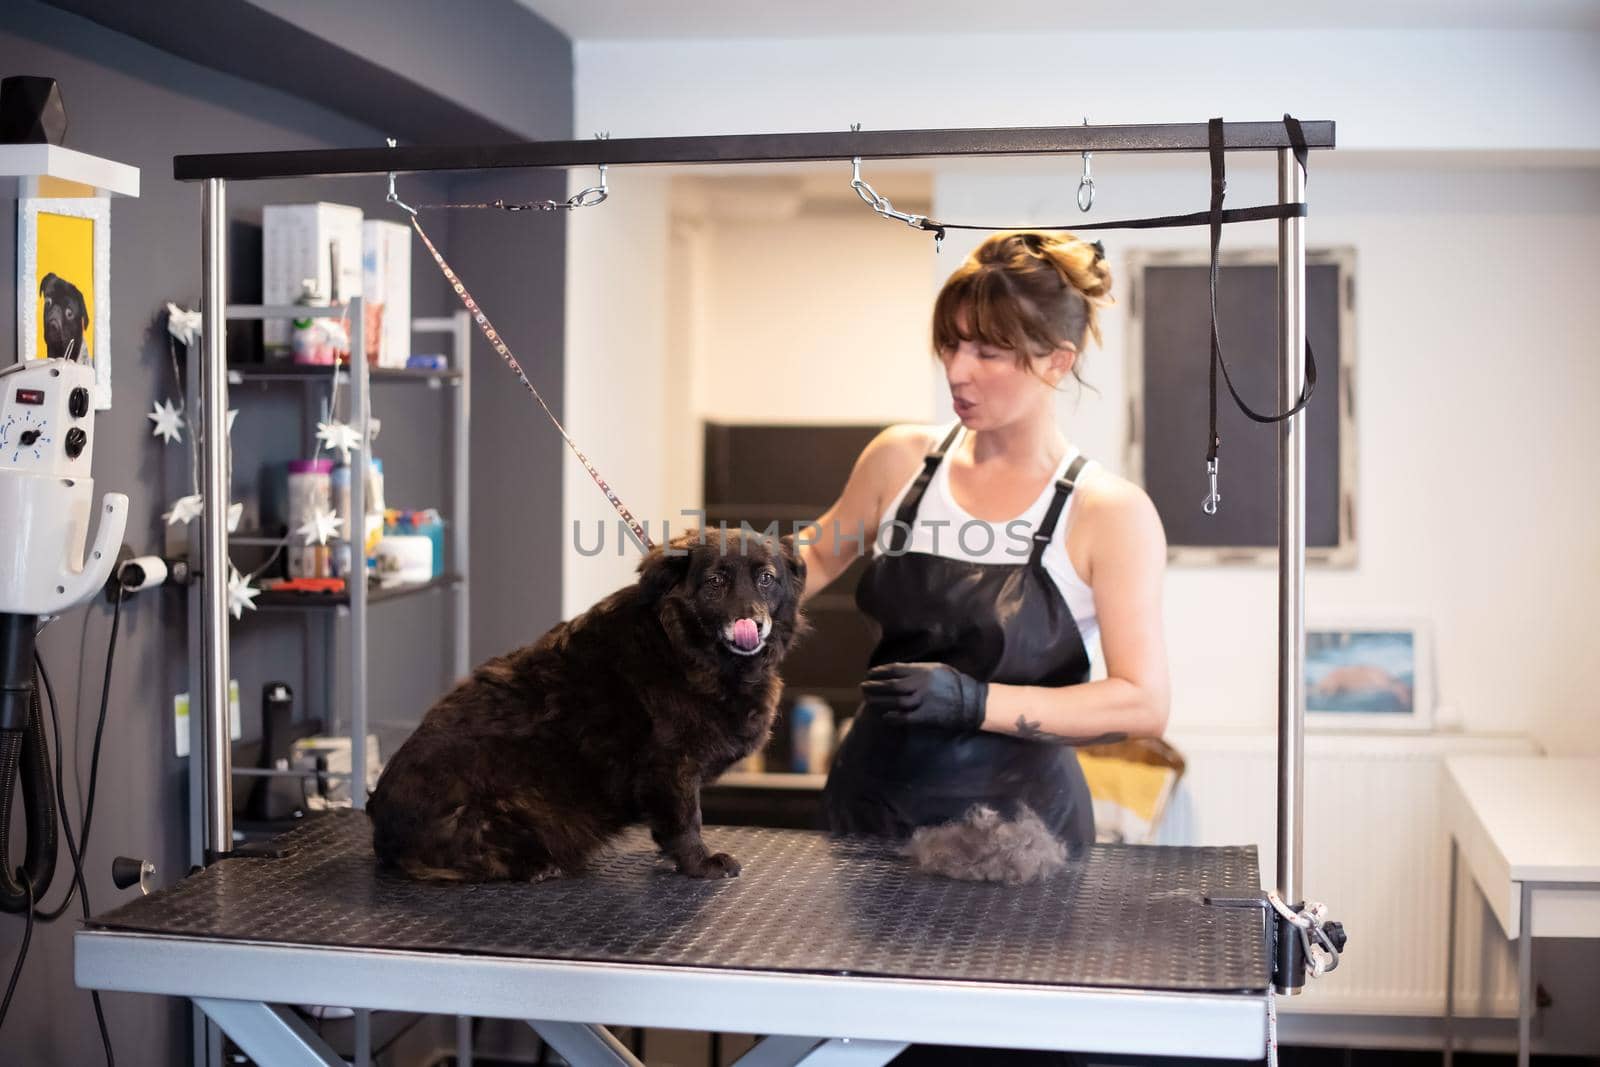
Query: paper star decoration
[(339, 437), (187, 508), (183, 324), (183, 510), (241, 594), (322, 525), (168, 420)]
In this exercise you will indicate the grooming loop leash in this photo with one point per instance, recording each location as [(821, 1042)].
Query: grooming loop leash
[(581, 199)]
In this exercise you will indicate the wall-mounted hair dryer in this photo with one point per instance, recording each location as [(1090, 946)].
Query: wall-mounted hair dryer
[(46, 496)]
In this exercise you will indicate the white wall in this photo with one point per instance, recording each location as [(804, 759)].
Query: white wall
[(1387, 89), (616, 373), (822, 318)]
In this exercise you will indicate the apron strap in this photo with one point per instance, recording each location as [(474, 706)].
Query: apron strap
[(1047, 527), (907, 513)]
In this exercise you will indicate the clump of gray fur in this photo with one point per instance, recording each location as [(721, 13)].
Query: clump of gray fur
[(984, 847)]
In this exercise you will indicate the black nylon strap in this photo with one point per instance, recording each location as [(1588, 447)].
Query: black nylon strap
[(1219, 185), (906, 514), (1047, 526), (1297, 210)]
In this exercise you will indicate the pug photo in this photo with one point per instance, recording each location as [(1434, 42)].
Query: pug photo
[(65, 316)]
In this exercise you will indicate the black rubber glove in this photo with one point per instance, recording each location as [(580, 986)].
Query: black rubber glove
[(926, 694)]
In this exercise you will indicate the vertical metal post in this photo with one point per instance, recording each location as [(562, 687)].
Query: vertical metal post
[(212, 436), (462, 490), (363, 1025), (361, 415), (1291, 567), (1450, 960), (1525, 994)]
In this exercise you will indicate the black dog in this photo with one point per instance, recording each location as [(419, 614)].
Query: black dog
[(64, 314), (618, 716)]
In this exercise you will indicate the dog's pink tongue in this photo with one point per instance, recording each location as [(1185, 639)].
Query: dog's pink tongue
[(745, 634)]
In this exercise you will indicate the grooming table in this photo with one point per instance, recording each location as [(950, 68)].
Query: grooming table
[(838, 946)]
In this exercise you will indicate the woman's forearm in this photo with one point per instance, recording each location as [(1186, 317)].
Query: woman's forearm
[(1099, 712)]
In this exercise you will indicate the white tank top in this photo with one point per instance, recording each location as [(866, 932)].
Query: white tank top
[(944, 528)]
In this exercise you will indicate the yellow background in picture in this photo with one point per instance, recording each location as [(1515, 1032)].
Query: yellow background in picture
[(66, 249)]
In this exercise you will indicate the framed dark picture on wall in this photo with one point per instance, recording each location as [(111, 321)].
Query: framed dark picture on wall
[(1168, 363)]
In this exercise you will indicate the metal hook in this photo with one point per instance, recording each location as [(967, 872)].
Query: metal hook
[(594, 194), (1213, 498), (880, 203), (1086, 183), (394, 197)]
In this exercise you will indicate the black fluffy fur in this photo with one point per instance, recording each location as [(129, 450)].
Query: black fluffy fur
[(526, 768)]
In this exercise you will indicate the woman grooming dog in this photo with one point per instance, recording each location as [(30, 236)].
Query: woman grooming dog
[(1003, 552)]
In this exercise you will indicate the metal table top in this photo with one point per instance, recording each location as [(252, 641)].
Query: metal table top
[(844, 933)]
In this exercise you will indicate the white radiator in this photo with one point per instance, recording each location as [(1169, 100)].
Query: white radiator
[(1375, 852)]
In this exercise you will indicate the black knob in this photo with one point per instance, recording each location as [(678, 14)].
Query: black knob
[(78, 402), (127, 872), (76, 439), (28, 437), (1335, 932)]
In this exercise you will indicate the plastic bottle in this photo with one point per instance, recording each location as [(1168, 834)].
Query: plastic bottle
[(811, 726)]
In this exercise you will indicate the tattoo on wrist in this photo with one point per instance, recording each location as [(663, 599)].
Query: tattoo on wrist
[(1032, 731), (1028, 729)]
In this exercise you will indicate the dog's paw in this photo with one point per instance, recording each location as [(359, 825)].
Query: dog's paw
[(716, 865)]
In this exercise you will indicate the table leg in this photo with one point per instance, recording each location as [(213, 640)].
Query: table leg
[(583, 1045), (844, 1052), (269, 1034), (1525, 977), (1450, 961)]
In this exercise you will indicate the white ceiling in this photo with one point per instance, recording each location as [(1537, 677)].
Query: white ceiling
[(653, 19)]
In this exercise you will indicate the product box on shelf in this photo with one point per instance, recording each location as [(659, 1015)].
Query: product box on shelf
[(299, 242), (386, 291)]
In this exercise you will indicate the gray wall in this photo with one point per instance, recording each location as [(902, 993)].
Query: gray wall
[(131, 102)]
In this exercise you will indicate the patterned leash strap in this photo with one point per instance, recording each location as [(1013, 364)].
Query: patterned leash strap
[(516, 368)]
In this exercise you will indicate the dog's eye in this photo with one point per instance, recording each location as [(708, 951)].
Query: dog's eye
[(71, 314), (764, 579), (715, 580)]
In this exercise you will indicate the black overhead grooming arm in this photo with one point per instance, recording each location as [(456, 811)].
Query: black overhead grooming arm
[(747, 148)]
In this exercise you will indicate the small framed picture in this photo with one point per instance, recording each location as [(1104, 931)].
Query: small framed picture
[(1369, 675), (63, 283)]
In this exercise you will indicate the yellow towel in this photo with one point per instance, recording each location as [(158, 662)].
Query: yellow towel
[(1131, 782)]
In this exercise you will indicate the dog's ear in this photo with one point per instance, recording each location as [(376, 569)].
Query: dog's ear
[(665, 568), (44, 283), (796, 562)]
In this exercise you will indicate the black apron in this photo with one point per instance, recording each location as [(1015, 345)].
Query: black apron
[(999, 622)]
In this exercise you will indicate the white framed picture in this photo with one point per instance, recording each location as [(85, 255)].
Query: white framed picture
[(64, 283), (1369, 674)]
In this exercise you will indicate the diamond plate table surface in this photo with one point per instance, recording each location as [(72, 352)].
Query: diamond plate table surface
[(1118, 916)]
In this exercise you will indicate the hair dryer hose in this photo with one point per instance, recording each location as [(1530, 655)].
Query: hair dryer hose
[(26, 750)]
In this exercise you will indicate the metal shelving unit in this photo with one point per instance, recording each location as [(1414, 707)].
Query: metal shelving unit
[(324, 613)]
